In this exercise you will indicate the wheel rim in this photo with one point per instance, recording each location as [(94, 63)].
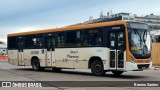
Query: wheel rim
[(98, 68)]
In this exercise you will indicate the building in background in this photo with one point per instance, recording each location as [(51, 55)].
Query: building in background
[(108, 17), (152, 20)]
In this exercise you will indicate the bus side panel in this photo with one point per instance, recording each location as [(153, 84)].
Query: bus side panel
[(87, 53), (13, 57), (39, 53), (61, 58), (79, 57)]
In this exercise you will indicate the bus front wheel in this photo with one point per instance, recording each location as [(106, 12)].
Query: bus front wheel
[(36, 65), (97, 68)]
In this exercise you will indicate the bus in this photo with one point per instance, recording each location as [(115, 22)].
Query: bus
[(116, 46)]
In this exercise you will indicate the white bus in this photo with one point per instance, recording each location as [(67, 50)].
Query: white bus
[(116, 46)]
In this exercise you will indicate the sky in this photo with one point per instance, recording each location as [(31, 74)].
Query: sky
[(30, 15)]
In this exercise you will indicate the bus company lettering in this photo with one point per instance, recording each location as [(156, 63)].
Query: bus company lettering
[(116, 27), (34, 52), (73, 54)]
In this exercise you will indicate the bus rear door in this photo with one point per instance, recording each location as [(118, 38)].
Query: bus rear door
[(20, 42), (50, 43)]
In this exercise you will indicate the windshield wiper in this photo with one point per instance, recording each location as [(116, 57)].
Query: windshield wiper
[(137, 34), (145, 34)]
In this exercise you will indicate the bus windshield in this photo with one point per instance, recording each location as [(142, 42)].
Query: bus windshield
[(140, 42)]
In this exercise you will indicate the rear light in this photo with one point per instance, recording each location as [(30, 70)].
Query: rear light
[(113, 63), (121, 63)]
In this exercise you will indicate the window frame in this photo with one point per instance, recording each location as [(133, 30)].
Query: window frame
[(78, 41), (10, 43), (100, 30)]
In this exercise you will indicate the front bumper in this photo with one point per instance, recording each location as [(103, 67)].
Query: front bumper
[(137, 67)]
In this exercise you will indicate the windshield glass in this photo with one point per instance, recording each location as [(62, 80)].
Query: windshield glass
[(140, 42)]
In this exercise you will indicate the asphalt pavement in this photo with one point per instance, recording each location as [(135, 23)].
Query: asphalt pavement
[(22, 74)]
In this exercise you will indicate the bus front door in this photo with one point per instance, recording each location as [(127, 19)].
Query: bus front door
[(50, 43), (21, 61), (117, 48)]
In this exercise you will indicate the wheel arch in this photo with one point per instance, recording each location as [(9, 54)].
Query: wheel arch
[(34, 57), (92, 59)]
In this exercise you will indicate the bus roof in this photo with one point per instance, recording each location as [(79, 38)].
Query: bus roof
[(76, 27)]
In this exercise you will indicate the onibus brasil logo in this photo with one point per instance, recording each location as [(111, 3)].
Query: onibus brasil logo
[(21, 84)]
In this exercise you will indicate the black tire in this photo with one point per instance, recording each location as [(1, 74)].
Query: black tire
[(97, 68), (117, 73), (56, 69), (36, 65)]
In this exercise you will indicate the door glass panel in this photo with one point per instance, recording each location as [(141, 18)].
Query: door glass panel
[(112, 41), (112, 59), (20, 46), (121, 44), (120, 59), (50, 44)]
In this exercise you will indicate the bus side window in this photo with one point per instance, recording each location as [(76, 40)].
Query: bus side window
[(30, 41), (61, 39), (33, 41), (12, 43), (93, 37), (73, 39), (39, 42)]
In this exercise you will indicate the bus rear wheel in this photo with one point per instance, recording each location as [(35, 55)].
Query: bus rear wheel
[(36, 65), (117, 73), (97, 68)]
